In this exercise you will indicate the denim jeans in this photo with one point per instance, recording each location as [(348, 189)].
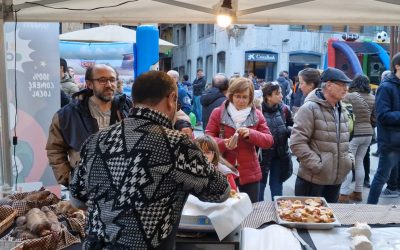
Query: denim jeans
[(387, 161), (275, 182), (197, 108), (367, 164), (394, 179), (358, 146), (306, 188)]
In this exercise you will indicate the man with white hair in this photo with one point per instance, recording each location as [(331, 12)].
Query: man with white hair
[(183, 96)]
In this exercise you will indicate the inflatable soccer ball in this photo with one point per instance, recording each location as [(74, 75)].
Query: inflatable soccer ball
[(381, 37)]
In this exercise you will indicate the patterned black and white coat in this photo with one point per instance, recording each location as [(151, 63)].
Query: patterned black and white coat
[(135, 176)]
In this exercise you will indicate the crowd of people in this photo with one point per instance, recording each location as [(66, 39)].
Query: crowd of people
[(133, 162)]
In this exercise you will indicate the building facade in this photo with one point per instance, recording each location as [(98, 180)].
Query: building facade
[(264, 50)]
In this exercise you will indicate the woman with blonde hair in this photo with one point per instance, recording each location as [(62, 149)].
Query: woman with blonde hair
[(238, 128)]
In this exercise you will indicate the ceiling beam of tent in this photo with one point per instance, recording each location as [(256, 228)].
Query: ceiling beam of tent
[(5, 166), (36, 3)]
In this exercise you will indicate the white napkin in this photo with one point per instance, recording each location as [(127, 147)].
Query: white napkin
[(270, 238), (225, 217)]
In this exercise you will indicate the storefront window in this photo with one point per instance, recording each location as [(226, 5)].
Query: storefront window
[(302, 60), (262, 64)]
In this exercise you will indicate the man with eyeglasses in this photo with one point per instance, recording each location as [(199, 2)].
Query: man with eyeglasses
[(320, 139), (91, 110)]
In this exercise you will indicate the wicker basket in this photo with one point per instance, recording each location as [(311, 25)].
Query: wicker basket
[(7, 216), (11, 245)]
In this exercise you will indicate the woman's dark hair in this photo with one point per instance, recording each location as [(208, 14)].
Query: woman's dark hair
[(64, 64), (395, 61), (360, 84), (311, 76), (269, 88)]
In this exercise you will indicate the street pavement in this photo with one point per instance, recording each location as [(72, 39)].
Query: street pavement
[(288, 186)]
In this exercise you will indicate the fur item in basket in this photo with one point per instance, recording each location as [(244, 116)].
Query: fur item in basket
[(52, 217), (37, 196), (37, 222), (65, 207)]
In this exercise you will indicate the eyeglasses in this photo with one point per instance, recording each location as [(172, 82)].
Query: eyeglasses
[(104, 80), (243, 97)]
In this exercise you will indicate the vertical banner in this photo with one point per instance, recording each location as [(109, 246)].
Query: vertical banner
[(33, 84)]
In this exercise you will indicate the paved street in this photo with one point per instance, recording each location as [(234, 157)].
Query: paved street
[(288, 186)]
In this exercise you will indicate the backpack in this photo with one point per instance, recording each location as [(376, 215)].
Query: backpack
[(348, 111)]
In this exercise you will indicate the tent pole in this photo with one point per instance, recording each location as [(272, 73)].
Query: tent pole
[(6, 15)]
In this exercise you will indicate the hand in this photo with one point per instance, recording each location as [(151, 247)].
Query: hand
[(230, 145), (244, 132)]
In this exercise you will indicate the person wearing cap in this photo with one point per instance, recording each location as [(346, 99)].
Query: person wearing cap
[(320, 139), (387, 103)]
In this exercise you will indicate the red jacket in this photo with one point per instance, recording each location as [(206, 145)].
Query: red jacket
[(244, 156)]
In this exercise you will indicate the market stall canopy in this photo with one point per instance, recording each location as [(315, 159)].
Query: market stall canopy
[(109, 33), (317, 12)]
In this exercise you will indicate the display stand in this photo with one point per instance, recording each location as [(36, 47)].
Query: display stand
[(210, 242)]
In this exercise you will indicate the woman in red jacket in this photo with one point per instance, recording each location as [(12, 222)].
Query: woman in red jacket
[(239, 128)]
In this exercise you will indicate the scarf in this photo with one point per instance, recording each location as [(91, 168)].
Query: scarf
[(238, 116)]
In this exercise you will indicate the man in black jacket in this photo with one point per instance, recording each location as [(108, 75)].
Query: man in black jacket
[(214, 96), (198, 89), (91, 110)]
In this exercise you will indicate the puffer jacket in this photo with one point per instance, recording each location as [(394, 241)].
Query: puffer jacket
[(388, 113), (69, 129), (244, 156), (322, 149), (365, 118), (68, 85)]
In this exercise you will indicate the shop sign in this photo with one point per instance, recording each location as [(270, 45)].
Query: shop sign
[(261, 57)]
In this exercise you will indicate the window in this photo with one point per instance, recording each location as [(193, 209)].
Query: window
[(221, 62), (90, 25), (183, 43), (181, 72), (297, 27), (209, 68), (200, 31), (189, 69), (373, 30), (209, 29), (59, 28), (199, 63), (326, 28), (129, 27), (177, 38)]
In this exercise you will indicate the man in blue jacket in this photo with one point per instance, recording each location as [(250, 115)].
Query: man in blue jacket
[(387, 104), (183, 96)]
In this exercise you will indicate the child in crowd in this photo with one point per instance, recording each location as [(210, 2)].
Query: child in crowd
[(211, 151)]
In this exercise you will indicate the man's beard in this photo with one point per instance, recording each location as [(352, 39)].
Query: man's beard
[(102, 97)]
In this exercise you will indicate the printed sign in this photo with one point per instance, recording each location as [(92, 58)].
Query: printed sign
[(32, 56)]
